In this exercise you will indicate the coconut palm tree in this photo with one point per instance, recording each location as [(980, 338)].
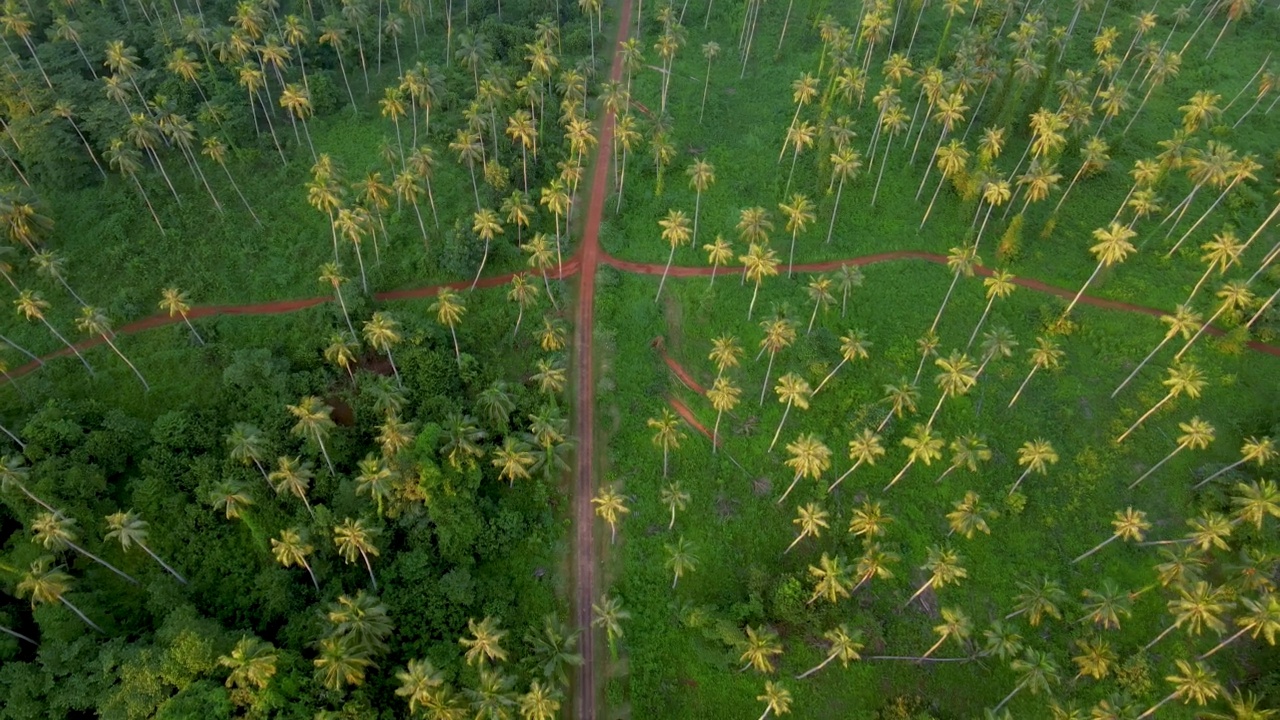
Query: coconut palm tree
[(1184, 379), (967, 451), (955, 625), (811, 518), (710, 51), (314, 422), (999, 285), (1113, 247), (1261, 617), (725, 353), (675, 232), (969, 516), (47, 585), (294, 476), (724, 397), (610, 506), (14, 473), (674, 498), (1183, 322), (902, 400), (702, 175), (1096, 657), (341, 351), (1093, 159), (1197, 607), (680, 559), (57, 532), (961, 261), (1258, 451), (845, 647), (779, 334), (759, 263), (863, 448), (719, 253), (759, 649), (853, 346), (131, 530), (485, 225), (419, 682), (609, 614), (819, 290), (957, 377), (1037, 672), (485, 642), (845, 164), (799, 213), (1036, 456), (952, 160), (375, 477), (449, 308), (1192, 682), (809, 458), (1038, 601), (252, 663), (31, 306), (92, 321), (1256, 501), (1196, 434), (127, 160), (1106, 606), (792, 390), (176, 303), (1235, 296), (831, 579), (924, 447), (352, 539), (776, 698), (1130, 525), (331, 275), (994, 193), (944, 566), (291, 549), (667, 434)]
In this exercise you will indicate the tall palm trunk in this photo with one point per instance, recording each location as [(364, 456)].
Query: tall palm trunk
[(778, 432), (665, 270), (58, 335), (126, 360), (832, 226), (19, 348), (81, 615), (1084, 287)]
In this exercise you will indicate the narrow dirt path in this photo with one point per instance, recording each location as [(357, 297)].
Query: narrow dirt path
[(584, 550)]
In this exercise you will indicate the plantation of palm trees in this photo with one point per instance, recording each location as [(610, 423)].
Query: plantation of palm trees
[(933, 374)]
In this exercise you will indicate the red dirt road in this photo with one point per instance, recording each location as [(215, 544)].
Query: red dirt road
[(584, 550)]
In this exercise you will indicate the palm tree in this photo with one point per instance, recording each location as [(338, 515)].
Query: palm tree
[(1113, 247), (675, 231), (944, 566), (819, 290), (845, 164), (31, 306), (831, 579), (611, 506), (293, 476), (810, 518), (1094, 158), (667, 434), (1235, 296), (967, 451), (541, 702), (57, 532), (1196, 434), (994, 194), (1183, 321), (952, 162), (352, 538), (845, 646), (710, 51), (853, 346), (127, 161), (924, 447), (1197, 607), (1255, 501), (1105, 606), (291, 549), (331, 275), (246, 445), (1038, 601), (1036, 455), (702, 175), (230, 497), (609, 615), (1095, 659), (998, 286), (1037, 673), (955, 625), (175, 302), (449, 308), (382, 332), (341, 662), (776, 699), (314, 422), (680, 559), (92, 321), (252, 663), (375, 477), (675, 499), (1184, 379), (957, 377), (724, 397), (513, 460), (809, 458), (1130, 525), (725, 353), (1261, 618), (759, 649), (799, 213), (863, 448), (418, 682), (131, 530), (47, 585), (759, 262), (14, 473), (1258, 451), (961, 261), (341, 351), (484, 645), (556, 198), (902, 400), (1192, 682), (792, 390)]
